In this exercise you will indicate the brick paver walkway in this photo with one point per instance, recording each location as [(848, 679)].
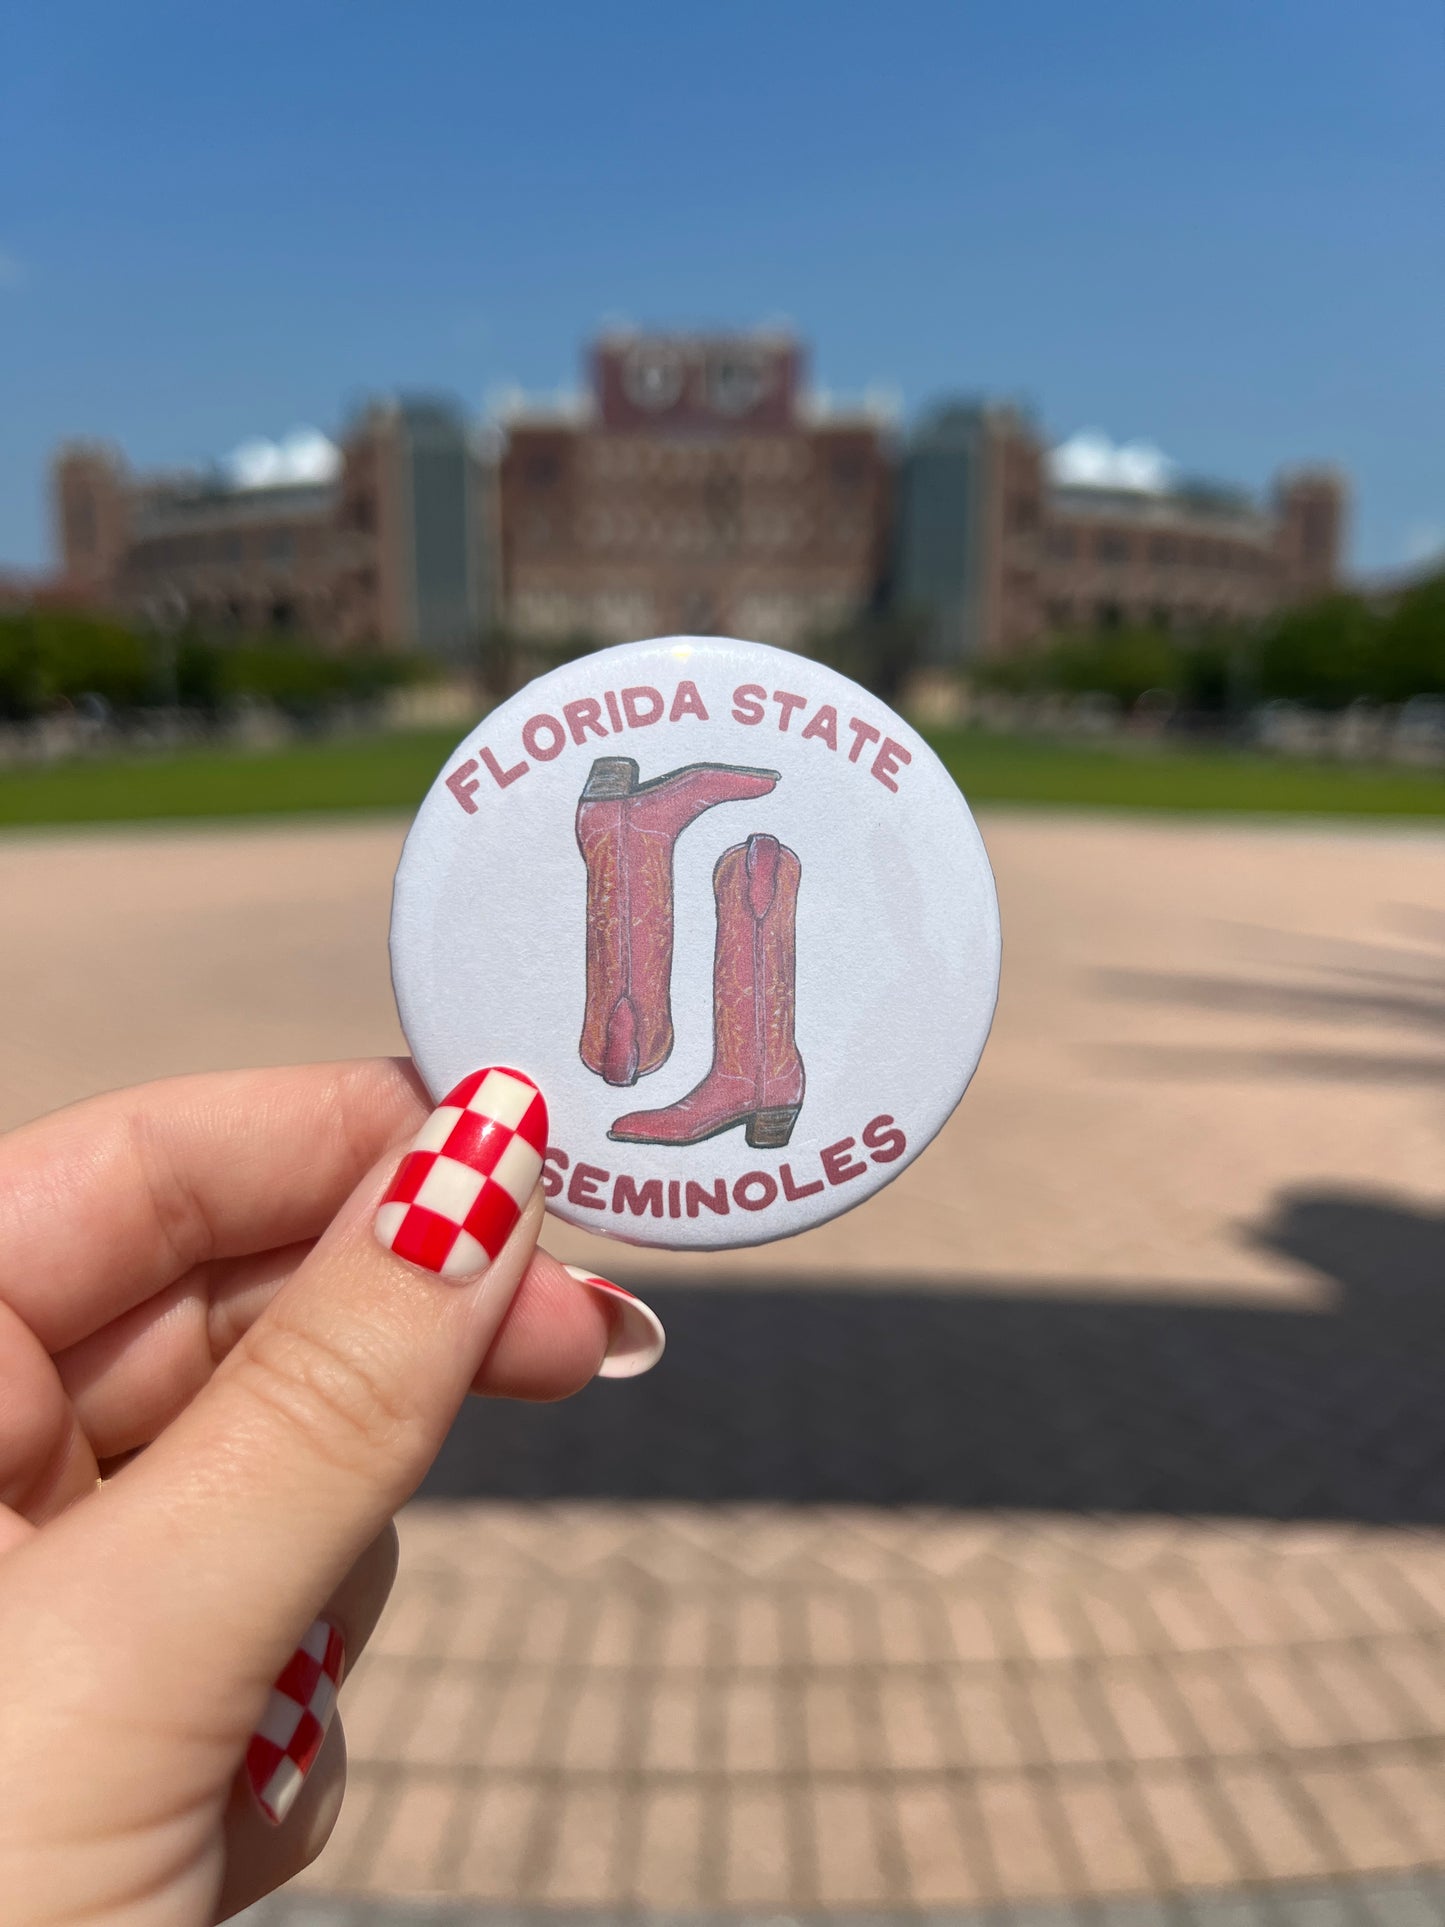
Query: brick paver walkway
[(773, 1709), (1412, 1900), (1065, 1529)]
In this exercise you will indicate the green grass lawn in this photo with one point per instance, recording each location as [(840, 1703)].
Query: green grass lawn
[(1012, 769), (392, 772), (353, 773)]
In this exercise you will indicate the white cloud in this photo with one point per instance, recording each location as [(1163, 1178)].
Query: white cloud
[(1091, 460), (1424, 542), (305, 455), (13, 271), (504, 401)]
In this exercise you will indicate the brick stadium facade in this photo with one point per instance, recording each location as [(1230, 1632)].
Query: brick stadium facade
[(997, 555), (696, 487), (696, 491), (387, 552)]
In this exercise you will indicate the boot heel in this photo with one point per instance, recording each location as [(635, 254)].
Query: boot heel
[(610, 777), (770, 1130)]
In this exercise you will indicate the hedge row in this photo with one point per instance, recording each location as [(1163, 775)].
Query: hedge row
[(49, 658), (1324, 654)]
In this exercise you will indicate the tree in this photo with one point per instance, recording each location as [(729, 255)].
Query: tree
[(1211, 672), (1410, 652), (1121, 663), (49, 656), (21, 678), (1323, 653), (877, 648)]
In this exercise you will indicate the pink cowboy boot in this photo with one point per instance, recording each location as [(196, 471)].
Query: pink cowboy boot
[(625, 831), (757, 1075)]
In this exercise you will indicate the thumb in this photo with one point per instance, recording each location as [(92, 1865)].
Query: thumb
[(212, 1552)]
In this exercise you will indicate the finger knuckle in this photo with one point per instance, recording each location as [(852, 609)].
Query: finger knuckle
[(332, 1389)]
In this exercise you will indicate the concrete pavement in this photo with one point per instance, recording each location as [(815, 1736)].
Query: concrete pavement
[(1065, 1527)]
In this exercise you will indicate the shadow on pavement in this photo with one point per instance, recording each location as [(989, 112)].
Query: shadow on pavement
[(1332, 981), (797, 1391)]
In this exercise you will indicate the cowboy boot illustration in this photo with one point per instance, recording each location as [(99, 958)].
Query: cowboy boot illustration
[(625, 831), (757, 1075)]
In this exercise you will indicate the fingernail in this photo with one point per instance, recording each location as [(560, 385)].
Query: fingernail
[(472, 1166), (638, 1340), (284, 1746)]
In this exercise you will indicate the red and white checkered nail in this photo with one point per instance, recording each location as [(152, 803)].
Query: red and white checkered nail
[(637, 1340), (471, 1168), (284, 1746)]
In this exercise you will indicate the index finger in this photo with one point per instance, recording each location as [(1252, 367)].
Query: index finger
[(112, 1199)]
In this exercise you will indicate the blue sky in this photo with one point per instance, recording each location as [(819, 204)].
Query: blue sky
[(1217, 227)]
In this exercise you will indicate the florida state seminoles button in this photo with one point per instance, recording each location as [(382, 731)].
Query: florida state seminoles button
[(728, 910)]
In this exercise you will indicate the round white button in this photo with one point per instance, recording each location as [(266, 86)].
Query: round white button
[(728, 911)]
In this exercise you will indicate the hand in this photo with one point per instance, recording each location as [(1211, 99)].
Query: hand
[(193, 1298)]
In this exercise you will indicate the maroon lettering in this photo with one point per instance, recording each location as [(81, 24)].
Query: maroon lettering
[(584, 715), (632, 701), (532, 737), (628, 1196), (582, 1188), (836, 1162), (755, 1181), (461, 785), (715, 1197), (792, 1190), (687, 702), (501, 776), (787, 703), (884, 1139), (886, 762), (674, 1197), (824, 726), (748, 700), (862, 733), (613, 712), (554, 1163)]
